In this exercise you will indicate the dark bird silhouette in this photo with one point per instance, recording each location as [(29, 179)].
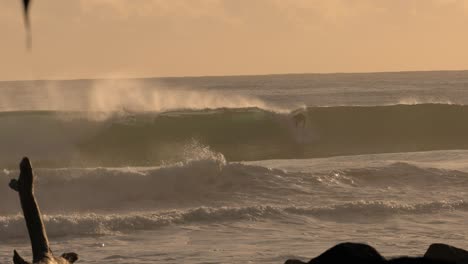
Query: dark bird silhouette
[(26, 7), (26, 4)]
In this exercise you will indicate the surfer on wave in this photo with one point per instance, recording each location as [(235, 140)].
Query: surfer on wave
[(300, 119)]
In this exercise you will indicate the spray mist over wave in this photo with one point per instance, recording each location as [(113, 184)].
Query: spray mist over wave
[(149, 138), (109, 96), (418, 101)]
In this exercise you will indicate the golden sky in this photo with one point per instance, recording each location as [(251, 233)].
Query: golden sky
[(135, 38)]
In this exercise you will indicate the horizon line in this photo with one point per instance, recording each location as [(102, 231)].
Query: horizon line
[(228, 75)]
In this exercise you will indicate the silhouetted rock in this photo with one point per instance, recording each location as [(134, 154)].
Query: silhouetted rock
[(363, 254), (294, 261), (346, 253), (416, 260), (37, 233), (349, 252), (447, 253)]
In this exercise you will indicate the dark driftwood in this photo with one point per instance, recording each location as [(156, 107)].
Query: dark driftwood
[(32, 215), (364, 254)]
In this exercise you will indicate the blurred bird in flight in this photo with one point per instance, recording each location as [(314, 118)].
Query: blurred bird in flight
[(26, 5)]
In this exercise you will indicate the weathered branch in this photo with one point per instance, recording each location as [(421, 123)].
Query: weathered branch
[(17, 259), (32, 215)]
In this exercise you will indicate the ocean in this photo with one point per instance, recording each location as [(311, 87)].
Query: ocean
[(216, 170)]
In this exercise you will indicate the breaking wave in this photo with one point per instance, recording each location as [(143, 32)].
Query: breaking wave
[(200, 180), (209, 180), (62, 139), (103, 224), (205, 189)]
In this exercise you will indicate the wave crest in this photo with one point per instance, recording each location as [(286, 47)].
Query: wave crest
[(104, 224), (149, 138)]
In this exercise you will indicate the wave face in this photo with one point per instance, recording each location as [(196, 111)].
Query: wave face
[(86, 224), (212, 181), (208, 189), (150, 138)]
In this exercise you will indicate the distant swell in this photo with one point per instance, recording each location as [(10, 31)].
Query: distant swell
[(62, 139), (104, 224)]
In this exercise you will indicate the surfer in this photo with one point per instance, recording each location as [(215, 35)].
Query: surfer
[(300, 119)]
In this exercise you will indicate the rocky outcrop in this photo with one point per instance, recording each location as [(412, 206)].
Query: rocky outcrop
[(346, 253), (37, 233), (349, 252), (364, 254), (447, 253)]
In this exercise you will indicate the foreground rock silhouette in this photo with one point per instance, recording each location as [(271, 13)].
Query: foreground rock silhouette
[(447, 253), (42, 254), (365, 254)]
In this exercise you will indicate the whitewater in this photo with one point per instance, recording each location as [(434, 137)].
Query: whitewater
[(215, 170)]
